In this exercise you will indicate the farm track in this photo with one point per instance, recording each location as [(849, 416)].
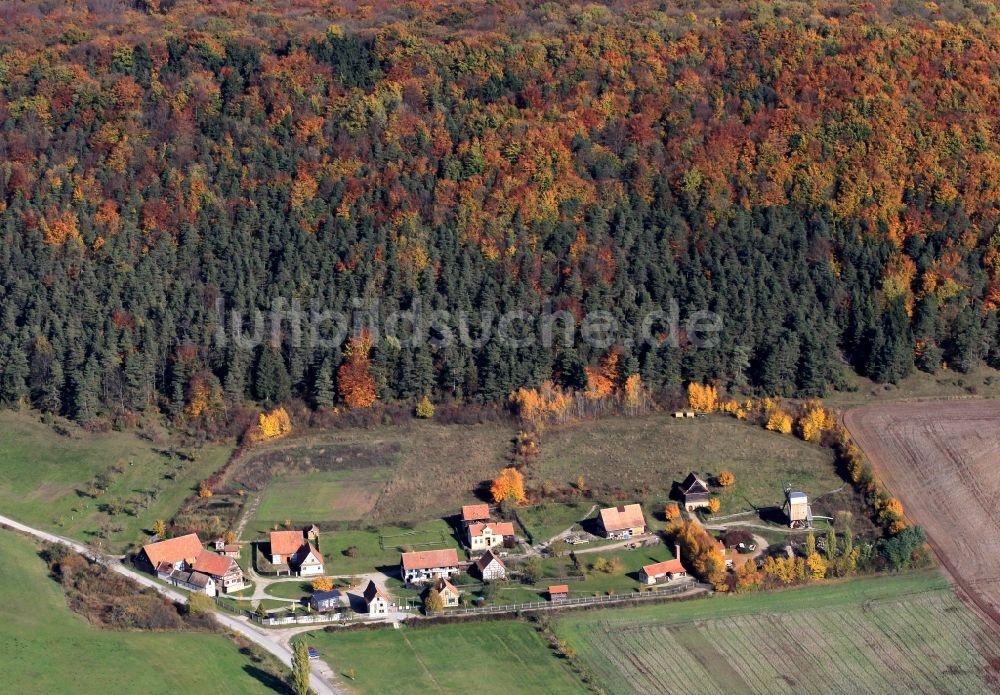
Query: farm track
[(940, 459)]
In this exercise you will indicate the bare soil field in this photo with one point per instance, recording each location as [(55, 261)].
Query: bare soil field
[(942, 459)]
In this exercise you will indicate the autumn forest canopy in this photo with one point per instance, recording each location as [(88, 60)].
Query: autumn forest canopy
[(823, 175)]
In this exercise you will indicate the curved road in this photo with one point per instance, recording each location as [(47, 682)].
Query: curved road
[(320, 683)]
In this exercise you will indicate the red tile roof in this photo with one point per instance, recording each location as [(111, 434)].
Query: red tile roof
[(286, 542), (500, 528), (621, 518), (233, 548), (559, 589), (475, 512), (429, 559), (174, 550), (212, 564), (660, 568)]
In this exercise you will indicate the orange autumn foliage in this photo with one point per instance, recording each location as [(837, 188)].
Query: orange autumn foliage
[(509, 485), (354, 377)]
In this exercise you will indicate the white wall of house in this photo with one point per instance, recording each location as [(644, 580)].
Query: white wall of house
[(426, 575)]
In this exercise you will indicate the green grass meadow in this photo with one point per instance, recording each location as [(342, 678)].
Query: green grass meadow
[(41, 473)]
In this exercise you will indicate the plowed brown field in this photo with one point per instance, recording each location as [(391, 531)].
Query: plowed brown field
[(942, 459)]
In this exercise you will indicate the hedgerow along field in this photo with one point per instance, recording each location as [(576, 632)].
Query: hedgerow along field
[(46, 477), (904, 633), (48, 649), (494, 658)]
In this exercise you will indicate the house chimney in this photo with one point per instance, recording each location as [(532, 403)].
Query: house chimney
[(677, 550)]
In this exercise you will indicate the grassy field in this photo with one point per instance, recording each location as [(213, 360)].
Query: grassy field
[(321, 496), (490, 658), (48, 649), (982, 381), (643, 456), (44, 475), (905, 633), (381, 474)]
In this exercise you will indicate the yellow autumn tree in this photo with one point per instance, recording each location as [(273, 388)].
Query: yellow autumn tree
[(815, 420), (509, 485), (274, 424), (425, 409), (816, 565), (322, 584), (780, 421), (702, 397), (633, 391), (160, 528), (714, 505), (672, 511), (727, 479)]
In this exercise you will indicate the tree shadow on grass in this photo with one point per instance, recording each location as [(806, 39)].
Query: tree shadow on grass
[(269, 680)]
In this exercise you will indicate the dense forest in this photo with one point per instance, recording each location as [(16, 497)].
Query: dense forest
[(823, 175)]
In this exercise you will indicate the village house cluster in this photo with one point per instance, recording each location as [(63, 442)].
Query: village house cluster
[(185, 562)]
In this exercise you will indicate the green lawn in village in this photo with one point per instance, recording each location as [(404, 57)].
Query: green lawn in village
[(381, 548), (543, 521), (495, 658), (44, 477), (46, 648), (905, 633)]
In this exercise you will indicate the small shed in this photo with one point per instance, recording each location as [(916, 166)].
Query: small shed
[(558, 593), (325, 600)]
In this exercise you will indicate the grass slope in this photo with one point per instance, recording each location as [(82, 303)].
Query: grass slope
[(40, 472), (489, 658), (48, 649), (907, 633), (643, 456)]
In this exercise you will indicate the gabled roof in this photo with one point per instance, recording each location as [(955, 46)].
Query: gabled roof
[(314, 552), (211, 563), (373, 590), (475, 512), (693, 483), (286, 542), (558, 589), (487, 559), (173, 550), (796, 497), (497, 528), (441, 584), (429, 559), (670, 566), (193, 578), (231, 548), (622, 517)]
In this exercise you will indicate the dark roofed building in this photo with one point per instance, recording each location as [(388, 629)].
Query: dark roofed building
[(695, 492)]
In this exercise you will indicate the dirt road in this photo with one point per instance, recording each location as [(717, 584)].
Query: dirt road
[(942, 460)]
